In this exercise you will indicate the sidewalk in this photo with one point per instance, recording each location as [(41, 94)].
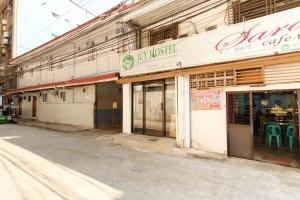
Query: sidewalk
[(64, 128)]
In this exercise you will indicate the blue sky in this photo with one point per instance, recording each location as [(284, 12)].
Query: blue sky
[(39, 21)]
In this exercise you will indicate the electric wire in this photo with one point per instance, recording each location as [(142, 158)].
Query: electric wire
[(105, 45)]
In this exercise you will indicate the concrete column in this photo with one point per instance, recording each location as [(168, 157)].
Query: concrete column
[(127, 115), (183, 136)]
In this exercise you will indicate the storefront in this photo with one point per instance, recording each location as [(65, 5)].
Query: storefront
[(226, 88), (264, 125)]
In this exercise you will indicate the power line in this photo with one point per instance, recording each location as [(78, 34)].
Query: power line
[(79, 6), (111, 43), (47, 26)]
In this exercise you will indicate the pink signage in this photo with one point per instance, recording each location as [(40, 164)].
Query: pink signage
[(206, 99)]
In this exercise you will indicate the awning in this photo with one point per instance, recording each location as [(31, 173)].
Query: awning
[(70, 83)]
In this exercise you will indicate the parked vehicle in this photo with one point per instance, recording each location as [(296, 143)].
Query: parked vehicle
[(11, 114), (3, 118)]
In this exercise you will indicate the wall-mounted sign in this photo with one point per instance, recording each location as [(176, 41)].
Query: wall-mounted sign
[(269, 35), (206, 99), (151, 59)]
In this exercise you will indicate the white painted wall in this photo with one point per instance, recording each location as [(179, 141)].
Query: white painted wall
[(77, 110), (209, 129), (127, 108), (183, 120)]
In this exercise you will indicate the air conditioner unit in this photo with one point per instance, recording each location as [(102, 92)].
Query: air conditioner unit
[(210, 28), (163, 41), (5, 34)]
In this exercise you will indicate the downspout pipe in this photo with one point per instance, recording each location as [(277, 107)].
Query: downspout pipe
[(138, 33)]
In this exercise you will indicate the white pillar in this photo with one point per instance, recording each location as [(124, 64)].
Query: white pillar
[(127, 115), (183, 136)]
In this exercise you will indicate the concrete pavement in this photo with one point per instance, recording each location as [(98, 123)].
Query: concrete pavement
[(42, 164)]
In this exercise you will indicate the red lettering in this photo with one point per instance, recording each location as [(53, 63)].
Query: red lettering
[(278, 29), (292, 27), (234, 40)]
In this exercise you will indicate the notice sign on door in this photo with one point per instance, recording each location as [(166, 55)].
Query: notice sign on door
[(206, 99)]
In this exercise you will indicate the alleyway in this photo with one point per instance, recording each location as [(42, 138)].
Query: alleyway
[(41, 164)]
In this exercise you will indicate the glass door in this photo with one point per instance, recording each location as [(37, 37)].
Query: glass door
[(154, 108), (137, 111)]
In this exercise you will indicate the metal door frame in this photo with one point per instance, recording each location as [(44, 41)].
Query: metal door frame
[(143, 83), (251, 121)]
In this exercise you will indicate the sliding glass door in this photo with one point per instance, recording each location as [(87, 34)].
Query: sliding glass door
[(154, 108)]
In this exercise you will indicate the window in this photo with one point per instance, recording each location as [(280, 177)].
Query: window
[(239, 108), (29, 98), (243, 10), (45, 98), (162, 34), (62, 96), (209, 80), (92, 55)]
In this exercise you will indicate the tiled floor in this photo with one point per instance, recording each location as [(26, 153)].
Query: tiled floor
[(282, 155)]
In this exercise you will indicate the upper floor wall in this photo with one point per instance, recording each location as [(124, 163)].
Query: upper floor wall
[(89, 54), (148, 24)]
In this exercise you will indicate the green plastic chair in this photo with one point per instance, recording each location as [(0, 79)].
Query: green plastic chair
[(267, 132), (274, 131), (290, 135)]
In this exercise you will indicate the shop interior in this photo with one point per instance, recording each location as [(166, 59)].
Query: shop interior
[(276, 127)]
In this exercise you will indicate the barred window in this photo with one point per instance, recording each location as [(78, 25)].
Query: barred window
[(243, 10), (162, 34)]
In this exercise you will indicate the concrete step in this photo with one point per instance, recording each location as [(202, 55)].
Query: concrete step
[(166, 146)]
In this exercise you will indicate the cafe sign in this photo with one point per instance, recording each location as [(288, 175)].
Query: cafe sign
[(270, 35)]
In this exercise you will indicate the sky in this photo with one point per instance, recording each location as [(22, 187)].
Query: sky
[(39, 21)]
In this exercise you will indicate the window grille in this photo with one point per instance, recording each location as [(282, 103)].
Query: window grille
[(209, 80), (243, 10), (162, 34)]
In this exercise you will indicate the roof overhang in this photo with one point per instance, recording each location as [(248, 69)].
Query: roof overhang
[(70, 83)]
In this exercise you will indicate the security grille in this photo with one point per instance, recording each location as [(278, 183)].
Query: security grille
[(162, 34), (205, 81), (243, 10)]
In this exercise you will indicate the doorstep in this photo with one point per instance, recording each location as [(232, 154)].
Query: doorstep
[(166, 146)]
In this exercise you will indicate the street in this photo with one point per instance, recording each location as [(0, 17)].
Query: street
[(42, 164)]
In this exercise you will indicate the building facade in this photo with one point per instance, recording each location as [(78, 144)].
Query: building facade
[(213, 75), (217, 76), (71, 79), (8, 30)]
